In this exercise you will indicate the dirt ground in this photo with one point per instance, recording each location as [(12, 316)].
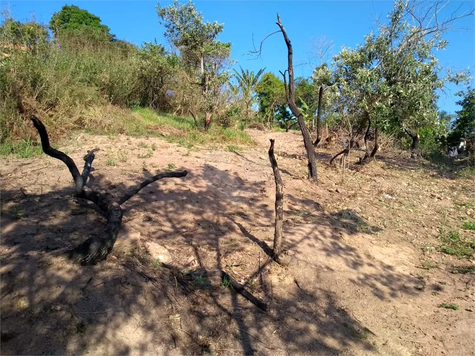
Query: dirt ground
[(365, 274)]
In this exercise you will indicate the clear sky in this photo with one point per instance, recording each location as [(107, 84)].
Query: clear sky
[(344, 22)]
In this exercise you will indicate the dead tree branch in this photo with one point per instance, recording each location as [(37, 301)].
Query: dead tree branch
[(279, 203), (96, 248), (312, 166), (319, 119)]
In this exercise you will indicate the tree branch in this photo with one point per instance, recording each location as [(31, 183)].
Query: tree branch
[(148, 181), (78, 179)]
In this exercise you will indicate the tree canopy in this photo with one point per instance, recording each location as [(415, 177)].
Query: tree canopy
[(72, 18)]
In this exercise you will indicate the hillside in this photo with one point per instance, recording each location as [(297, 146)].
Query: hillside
[(372, 254)]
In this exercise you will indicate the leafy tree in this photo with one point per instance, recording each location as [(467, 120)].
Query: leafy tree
[(72, 18), (307, 100), (270, 95), (284, 117), (391, 80), (463, 127), (16, 34), (199, 49), (248, 81), (156, 73)]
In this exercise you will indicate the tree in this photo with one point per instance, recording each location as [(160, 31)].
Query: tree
[(73, 19), (248, 81), (390, 82), (29, 35), (463, 127), (270, 94), (156, 73), (201, 52)]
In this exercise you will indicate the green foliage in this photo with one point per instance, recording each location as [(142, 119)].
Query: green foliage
[(248, 81), (186, 29), (21, 149), (463, 269), (270, 95), (469, 225), (463, 126), (156, 73), (392, 78), (72, 18), (204, 58), (455, 244), (449, 306)]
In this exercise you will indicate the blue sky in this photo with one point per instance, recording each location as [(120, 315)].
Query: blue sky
[(344, 22)]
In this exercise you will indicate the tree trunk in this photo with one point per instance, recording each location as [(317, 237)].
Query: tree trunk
[(208, 116), (279, 203), (96, 248), (368, 157), (415, 143), (366, 135), (312, 166), (319, 120)]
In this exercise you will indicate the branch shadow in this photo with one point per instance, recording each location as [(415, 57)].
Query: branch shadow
[(129, 304)]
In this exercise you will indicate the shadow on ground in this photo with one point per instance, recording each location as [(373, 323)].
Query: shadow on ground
[(130, 304)]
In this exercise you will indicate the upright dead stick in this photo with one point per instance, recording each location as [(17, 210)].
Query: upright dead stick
[(279, 202)]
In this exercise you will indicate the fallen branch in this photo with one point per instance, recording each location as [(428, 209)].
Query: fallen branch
[(241, 290), (96, 248)]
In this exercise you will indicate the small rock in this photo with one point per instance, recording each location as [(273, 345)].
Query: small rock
[(158, 252)]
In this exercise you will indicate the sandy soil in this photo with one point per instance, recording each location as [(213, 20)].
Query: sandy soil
[(360, 246)]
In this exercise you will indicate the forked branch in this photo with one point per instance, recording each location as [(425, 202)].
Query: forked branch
[(96, 248)]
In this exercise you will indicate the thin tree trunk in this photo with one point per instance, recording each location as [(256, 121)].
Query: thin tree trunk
[(98, 247), (279, 203), (368, 157), (312, 166), (366, 135), (415, 143), (208, 116), (319, 120)]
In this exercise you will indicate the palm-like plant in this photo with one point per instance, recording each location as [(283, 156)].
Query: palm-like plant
[(248, 81)]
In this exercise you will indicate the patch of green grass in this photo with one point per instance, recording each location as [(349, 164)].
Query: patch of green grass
[(428, 265), (143, 145), (110, 162), (232, 148), (151, 117), (182, 130), (171, 167), (466, 173), (469, 225), (226, 282), (463, 269), (464, 205), (20, 149), (455, 244), (449, 306)]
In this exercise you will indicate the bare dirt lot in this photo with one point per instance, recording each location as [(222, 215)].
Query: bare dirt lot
[(366, 274)]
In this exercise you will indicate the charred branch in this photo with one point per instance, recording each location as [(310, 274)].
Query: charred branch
[(98, 247), (319, 120), (279, 202), (415, 143), (312, 166)]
